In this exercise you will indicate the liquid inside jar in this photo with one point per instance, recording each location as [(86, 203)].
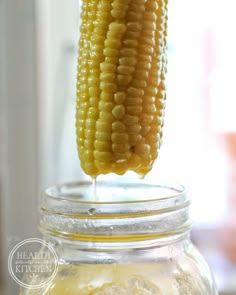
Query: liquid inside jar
[(127, 279)]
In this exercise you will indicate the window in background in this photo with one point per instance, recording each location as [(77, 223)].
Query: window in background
[(58, 27), (190, 153)]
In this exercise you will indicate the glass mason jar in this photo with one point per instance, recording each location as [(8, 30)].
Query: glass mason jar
[(122, 238)]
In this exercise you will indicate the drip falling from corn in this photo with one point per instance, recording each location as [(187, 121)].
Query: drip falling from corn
[(121, 85)]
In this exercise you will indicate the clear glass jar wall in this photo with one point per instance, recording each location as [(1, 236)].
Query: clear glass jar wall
[(125, 238)]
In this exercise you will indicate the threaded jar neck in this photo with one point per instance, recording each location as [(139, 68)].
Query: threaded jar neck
[(123, 212)]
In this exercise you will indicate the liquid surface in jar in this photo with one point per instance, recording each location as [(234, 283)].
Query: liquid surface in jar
[(121, 85), (128, 279)]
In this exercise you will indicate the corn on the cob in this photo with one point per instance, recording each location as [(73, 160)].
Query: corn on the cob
[(121, 84)]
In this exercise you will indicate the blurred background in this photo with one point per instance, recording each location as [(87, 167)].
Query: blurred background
[(38, 48)]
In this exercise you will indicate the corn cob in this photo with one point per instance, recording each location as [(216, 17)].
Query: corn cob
[(121, 85)]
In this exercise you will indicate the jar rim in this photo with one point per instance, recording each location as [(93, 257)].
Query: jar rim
[(69, 191), (136, 210), (115, 198)]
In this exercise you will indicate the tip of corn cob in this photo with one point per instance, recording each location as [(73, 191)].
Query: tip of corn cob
[(121, 85)]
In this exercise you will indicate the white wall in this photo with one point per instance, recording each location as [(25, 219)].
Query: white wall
[(19, 127)]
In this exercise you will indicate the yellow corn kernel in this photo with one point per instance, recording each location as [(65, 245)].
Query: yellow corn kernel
[(145, 130), (107, 67), (146, 120), (127, 61), (130, 43), (106, 117), (121, 88), (134, 162), (119, 137), (119, 97), (133, 129), (106, 96), (120, 147), (110, 52), (88, 134), (139, 83), (103, 136), (123, 80), (125, 70), (120, 166), (105, 106), (136, 101), (108, 87), (118, 112), (88, 144), (134, 139), (134, 110), (118, 13), (102, 156), (102, 146), (107, 77), (130, 52), (103, 126), (130, 120), (120, 160), (118, 126)]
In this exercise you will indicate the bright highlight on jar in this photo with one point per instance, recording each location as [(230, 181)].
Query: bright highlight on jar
[(121, 85)]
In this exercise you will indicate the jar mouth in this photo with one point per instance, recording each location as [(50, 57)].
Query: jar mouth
[(115, 192)]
